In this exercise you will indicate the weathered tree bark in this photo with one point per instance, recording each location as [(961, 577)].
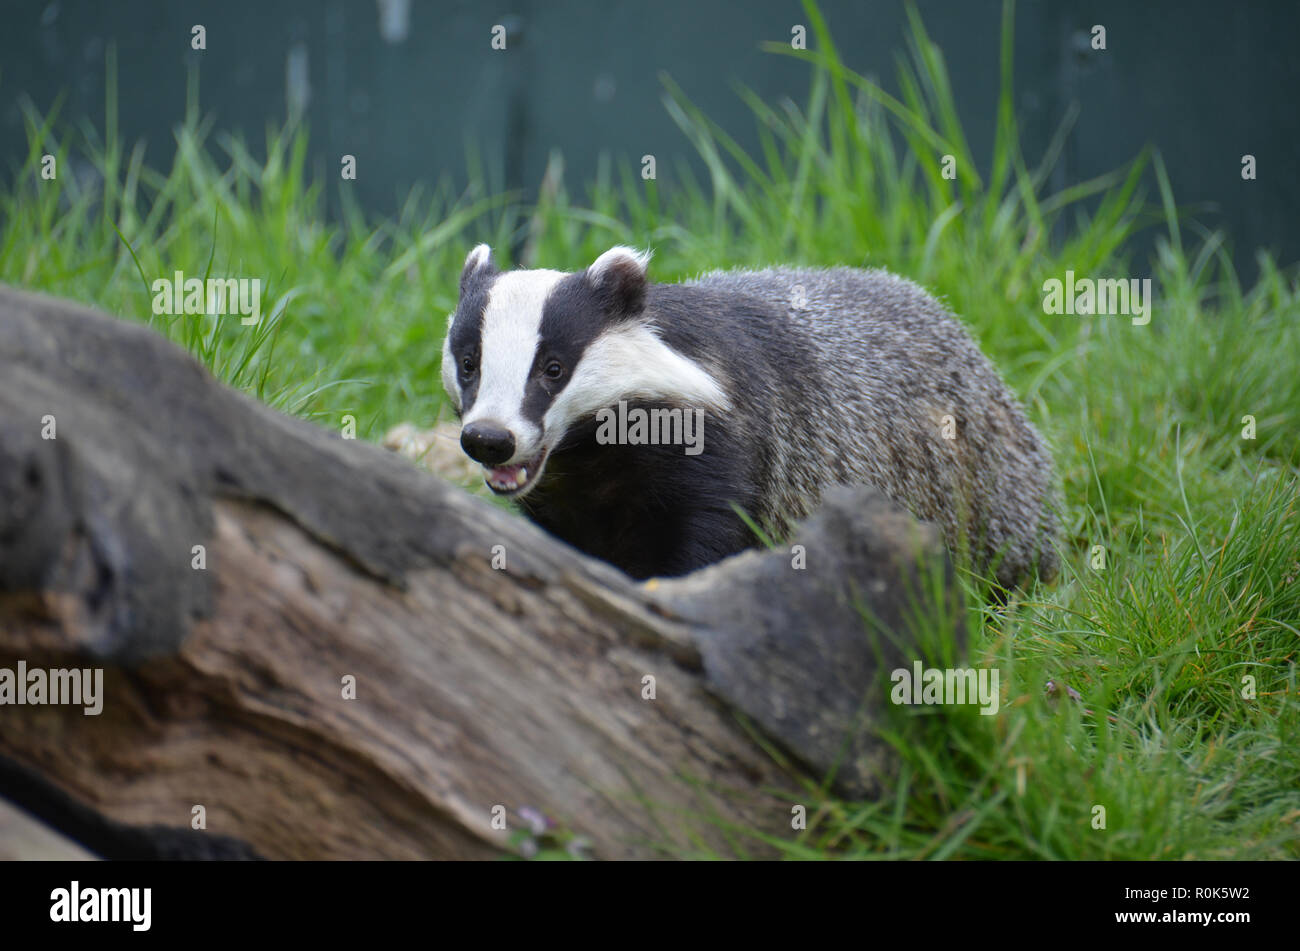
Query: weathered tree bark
[(24, 838), (324, 559)]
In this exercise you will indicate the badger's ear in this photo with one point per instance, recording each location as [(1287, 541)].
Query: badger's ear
[(478, 264), (619, 279)]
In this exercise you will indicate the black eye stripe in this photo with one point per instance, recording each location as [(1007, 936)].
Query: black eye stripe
[(467, 322), (571, 320), (467, 332)]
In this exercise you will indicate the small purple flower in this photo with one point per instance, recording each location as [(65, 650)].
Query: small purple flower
[(1054, 690), (536, 821)]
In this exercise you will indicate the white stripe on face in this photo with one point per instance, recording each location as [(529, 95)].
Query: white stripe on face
[(512, 322), (632, 363), (449, 381)]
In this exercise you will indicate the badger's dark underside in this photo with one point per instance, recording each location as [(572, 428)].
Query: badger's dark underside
[(649, 509)]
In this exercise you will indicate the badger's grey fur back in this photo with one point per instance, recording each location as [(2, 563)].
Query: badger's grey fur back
[(809, 378), (889, 364)]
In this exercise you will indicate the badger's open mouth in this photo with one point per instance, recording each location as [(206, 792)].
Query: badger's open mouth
[(515, 479)]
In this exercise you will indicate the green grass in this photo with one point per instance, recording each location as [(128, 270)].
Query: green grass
[(1201, 586)]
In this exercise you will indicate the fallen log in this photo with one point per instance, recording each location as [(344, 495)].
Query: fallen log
[(23, 837), (311, 648)]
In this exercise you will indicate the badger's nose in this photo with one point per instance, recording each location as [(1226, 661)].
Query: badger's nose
[(487, 443)]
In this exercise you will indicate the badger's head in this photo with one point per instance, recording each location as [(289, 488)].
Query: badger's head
[(530, 355)]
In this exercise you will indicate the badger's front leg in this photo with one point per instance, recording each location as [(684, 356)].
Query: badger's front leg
[(707, 535), (690, 518), (648, 510)]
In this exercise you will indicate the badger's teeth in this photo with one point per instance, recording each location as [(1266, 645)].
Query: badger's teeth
[(508, 478), (515, 477)]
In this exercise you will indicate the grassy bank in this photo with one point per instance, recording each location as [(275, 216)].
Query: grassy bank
[(1199, 596)]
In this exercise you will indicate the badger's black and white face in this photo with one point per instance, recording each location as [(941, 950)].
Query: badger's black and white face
[(531, 354)]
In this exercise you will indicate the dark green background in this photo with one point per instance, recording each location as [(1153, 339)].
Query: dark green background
[(1203, 81)]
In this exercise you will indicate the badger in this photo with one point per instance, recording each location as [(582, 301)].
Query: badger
[(800, 379)]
